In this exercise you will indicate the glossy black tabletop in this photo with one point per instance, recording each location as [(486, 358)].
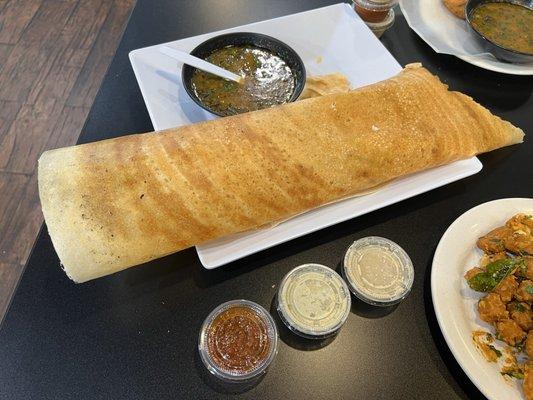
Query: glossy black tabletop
[(134, 335)]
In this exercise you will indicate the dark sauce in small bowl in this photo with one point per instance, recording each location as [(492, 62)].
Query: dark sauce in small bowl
[(502, 27), (506, 24), (267, 80), (273, 73)]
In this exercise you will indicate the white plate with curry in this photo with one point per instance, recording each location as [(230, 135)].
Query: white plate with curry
[(456, 304), (448, 34)]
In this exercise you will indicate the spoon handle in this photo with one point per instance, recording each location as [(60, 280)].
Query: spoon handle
[(196, 62)]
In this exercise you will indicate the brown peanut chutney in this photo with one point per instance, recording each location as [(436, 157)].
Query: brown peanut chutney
[(268, 81), (238, 340)]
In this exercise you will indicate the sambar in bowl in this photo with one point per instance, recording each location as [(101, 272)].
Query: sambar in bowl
[(503, 27), (273, 74)]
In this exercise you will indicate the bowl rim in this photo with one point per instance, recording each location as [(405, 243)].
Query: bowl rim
[(469, 22), (298, 89)]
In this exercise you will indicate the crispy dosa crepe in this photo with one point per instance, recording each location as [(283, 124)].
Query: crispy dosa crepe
[(322, 85), (121, 202)]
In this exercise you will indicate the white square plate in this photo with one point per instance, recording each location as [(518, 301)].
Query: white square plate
[(329, 39)]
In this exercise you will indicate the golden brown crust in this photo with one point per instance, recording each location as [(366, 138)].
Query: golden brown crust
[(322, 85), (456, 7), (491, 308), (121, 202)]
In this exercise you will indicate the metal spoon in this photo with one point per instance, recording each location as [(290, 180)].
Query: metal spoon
[(196, 62)]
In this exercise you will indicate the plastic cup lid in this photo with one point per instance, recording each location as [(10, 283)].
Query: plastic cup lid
[(313, 301), (378, 271), (267, 343)]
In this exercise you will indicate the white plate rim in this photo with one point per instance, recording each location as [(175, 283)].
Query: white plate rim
[(498, 66), (463, 350), (473, 167)]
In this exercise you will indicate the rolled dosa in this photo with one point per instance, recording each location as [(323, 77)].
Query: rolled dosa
[(322, 85), (117, 203)]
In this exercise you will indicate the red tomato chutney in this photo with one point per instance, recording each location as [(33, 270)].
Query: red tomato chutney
[(238, 340)]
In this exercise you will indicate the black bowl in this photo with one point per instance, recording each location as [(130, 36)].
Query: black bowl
[(502, 53), (269, 43)]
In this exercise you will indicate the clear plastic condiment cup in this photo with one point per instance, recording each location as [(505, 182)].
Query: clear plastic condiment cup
[(374, 10), (379, 28), (378, 271), (271, 336), (313, 301)]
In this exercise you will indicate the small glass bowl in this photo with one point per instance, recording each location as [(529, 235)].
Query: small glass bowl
[(232, 375), (378, 271), (313, 301)]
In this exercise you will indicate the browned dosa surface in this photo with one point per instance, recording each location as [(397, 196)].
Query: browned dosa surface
[(121, 202), (323, 85)]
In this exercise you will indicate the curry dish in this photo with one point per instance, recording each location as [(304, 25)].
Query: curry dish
[(508, 25), (268, 81), (505, 273)]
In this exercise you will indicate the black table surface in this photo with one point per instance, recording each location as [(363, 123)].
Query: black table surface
[(134, 335)]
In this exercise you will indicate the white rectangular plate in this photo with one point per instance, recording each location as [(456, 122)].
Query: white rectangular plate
[(330, 39)]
